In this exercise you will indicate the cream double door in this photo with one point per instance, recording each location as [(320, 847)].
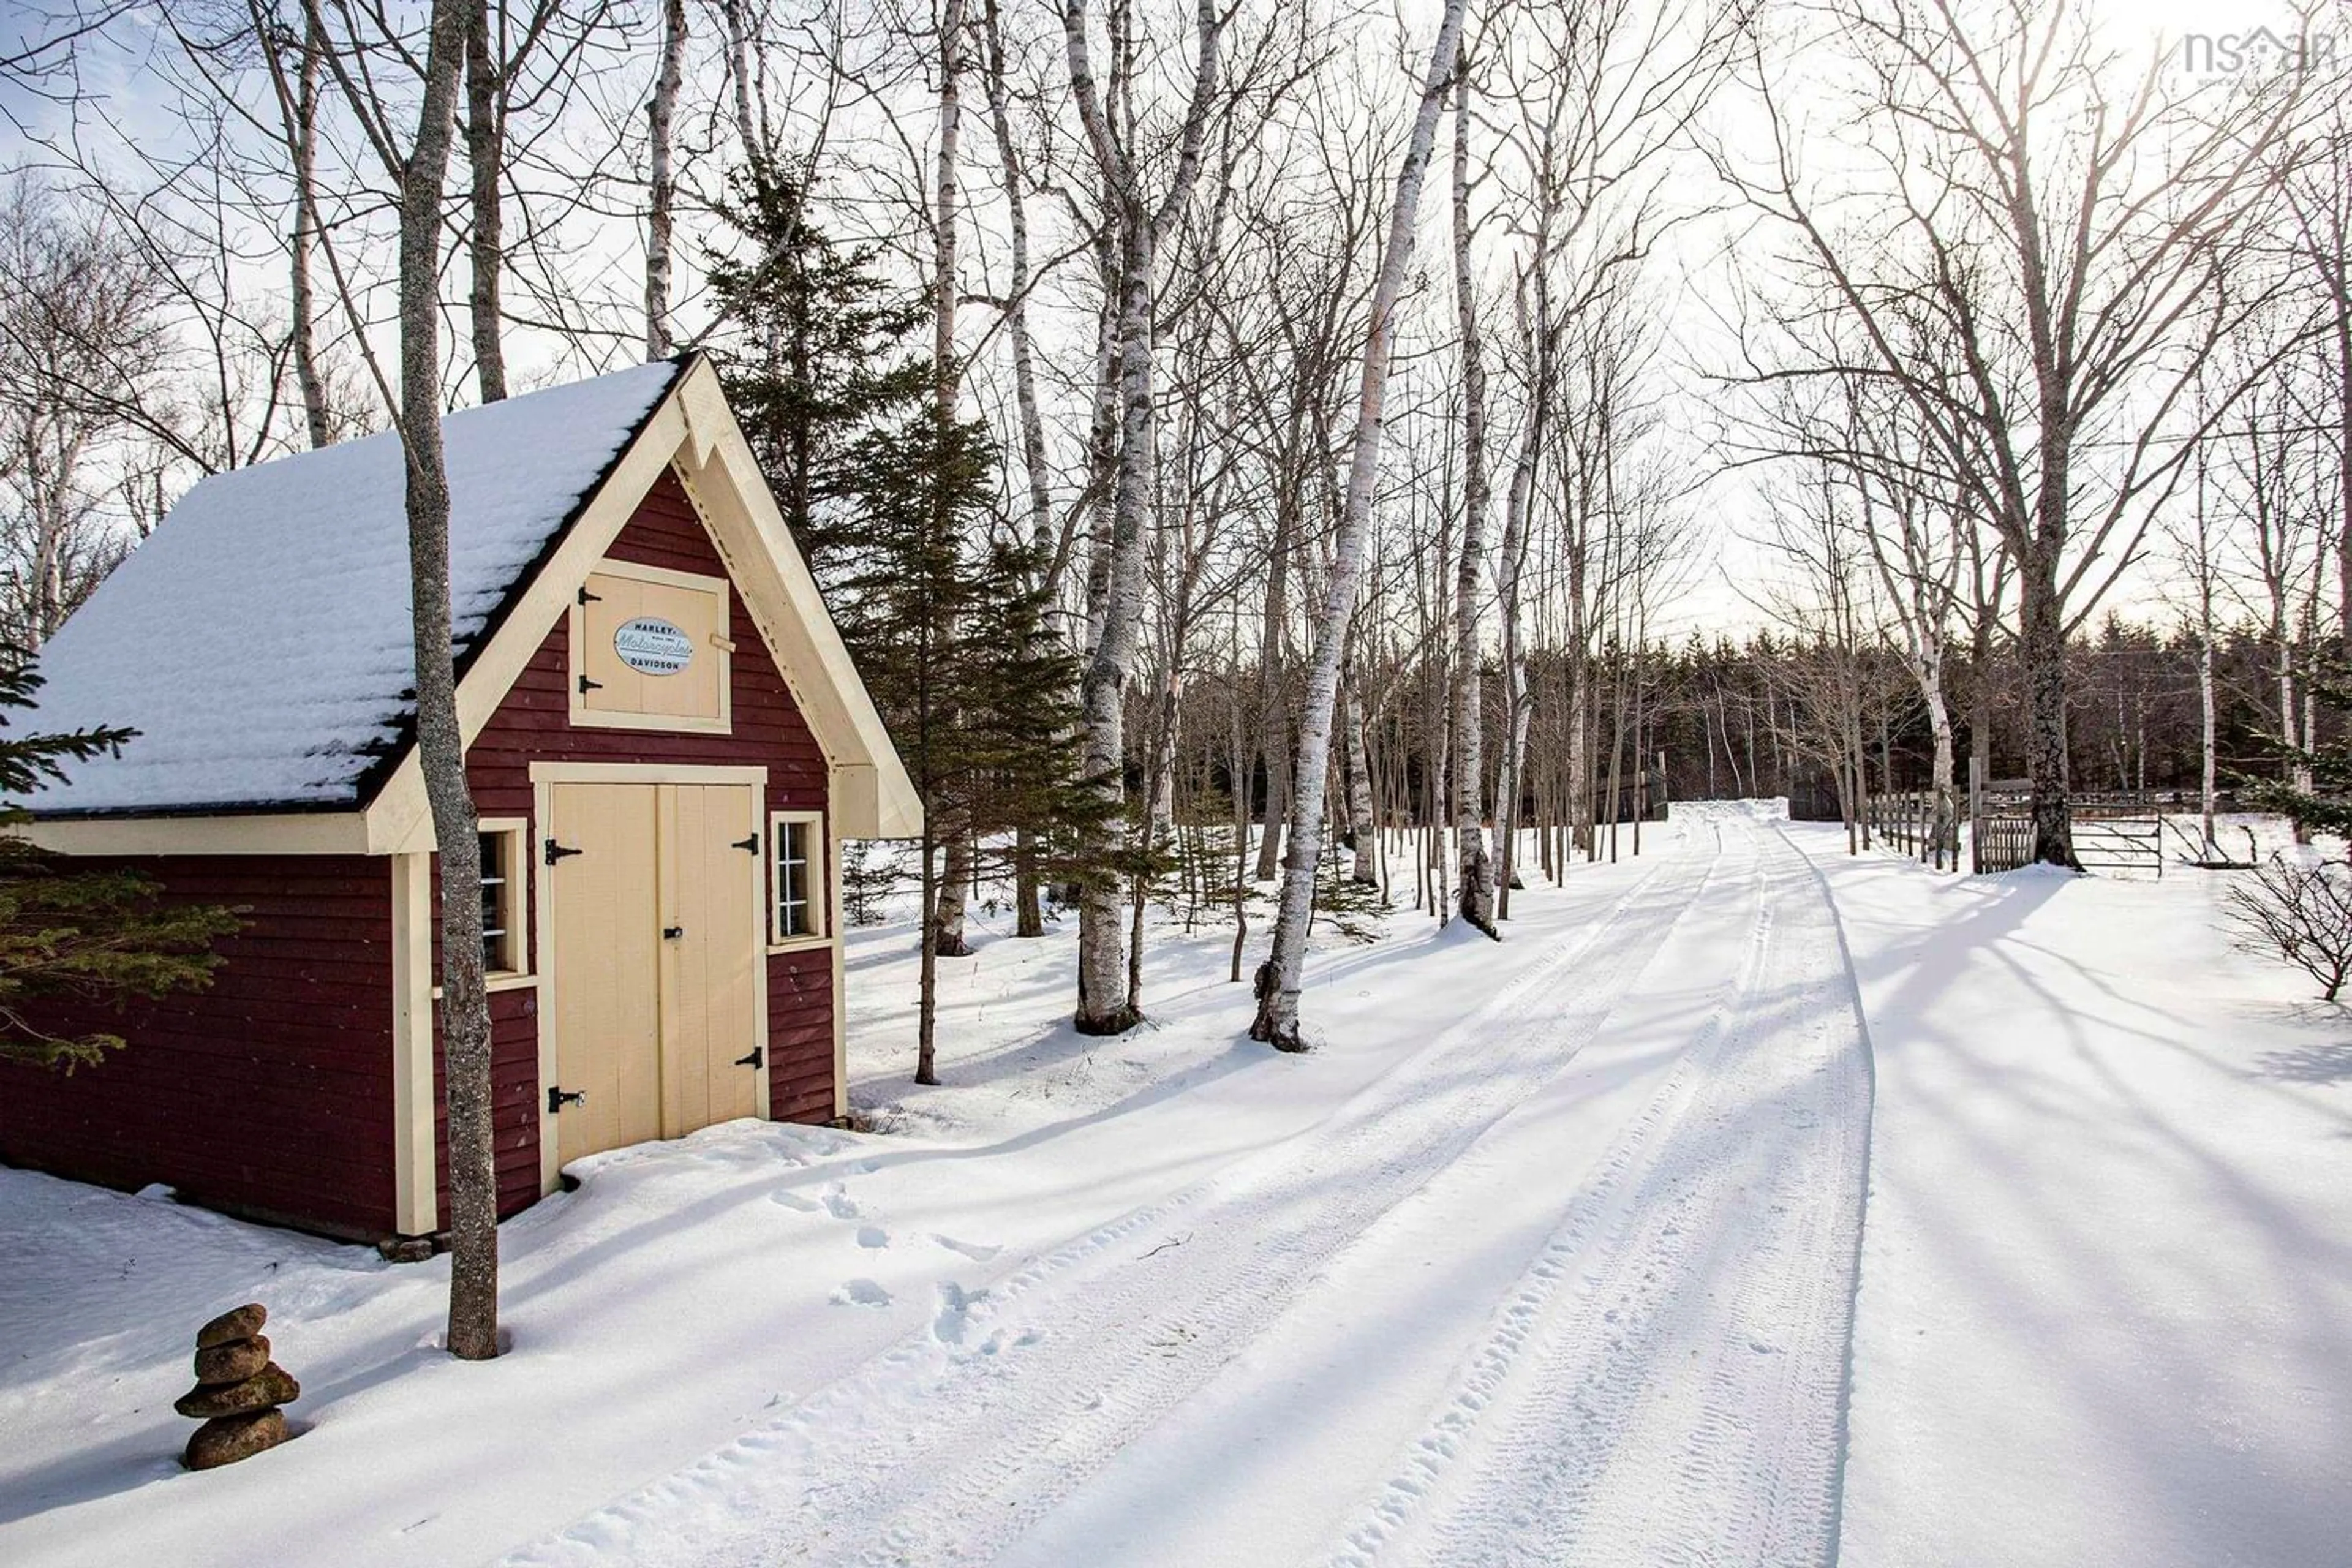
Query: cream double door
[(653, 902)]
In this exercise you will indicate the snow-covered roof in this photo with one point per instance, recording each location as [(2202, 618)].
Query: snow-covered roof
[(259, 643)]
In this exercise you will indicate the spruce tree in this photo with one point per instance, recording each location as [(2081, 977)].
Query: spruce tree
[(813, 350), (893, 506), (942, 611), (78, 936), (2325, 806)]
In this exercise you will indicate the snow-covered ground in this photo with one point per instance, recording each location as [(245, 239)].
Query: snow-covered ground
[(1549, 1256), (2106, 1283)]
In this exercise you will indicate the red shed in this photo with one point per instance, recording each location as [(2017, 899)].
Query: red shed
[(667, 741)]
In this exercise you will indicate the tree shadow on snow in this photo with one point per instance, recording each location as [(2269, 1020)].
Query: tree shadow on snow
[(2328, 1063)]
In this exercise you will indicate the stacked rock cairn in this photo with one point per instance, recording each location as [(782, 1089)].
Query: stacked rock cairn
[(238, 1390)]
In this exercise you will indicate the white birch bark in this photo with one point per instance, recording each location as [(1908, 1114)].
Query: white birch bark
[(1278, 1020), (750, 116), (2206, 773), (1017, 301), (1475, 898), (946, 923), (661, 179), (1364, 867), (484, 236), (317, 420), (1102, 1006)]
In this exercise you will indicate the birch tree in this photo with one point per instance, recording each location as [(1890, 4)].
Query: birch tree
[(1141, 225), (1278, 1020), (661, 112), (1476, 872)]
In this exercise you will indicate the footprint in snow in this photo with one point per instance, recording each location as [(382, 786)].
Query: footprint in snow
[(955, 1312), (873, 1236), (861, 1293), (839, 1204), (979, 1252), (793, 1200)]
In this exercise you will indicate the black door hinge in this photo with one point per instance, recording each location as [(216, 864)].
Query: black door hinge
[(753, 844), (588, 598), (554, 851), (587, 686), (751, 1061), (557, 1099)]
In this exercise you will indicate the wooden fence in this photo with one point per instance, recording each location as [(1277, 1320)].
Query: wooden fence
[(2000, 841), (1907, 820), (2118, 831)]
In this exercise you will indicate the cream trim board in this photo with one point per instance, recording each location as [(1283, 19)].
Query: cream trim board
[(584, 718), (493, 984), (400, 819), (798, 944), (415, 1196), (840, 989), (282, 833), (667, 576), (819, 900), (645, 773), (762, 1105), (550, 1153), (716, 468), (782, 598)]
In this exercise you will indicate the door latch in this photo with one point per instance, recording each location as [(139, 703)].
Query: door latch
[(670, 934), (557, 1099), (751, 1061), (554, 851)]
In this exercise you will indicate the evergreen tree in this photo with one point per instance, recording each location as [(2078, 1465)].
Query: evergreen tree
[(942, 613), (814, 354), (892, 505), (2325, 806), (78, 936)]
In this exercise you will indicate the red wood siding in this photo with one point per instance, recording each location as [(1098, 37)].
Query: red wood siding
[(269, 1093), (533, 725)]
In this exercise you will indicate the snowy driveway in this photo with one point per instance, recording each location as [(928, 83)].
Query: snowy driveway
[(1571, 1283), (1550, 1256)]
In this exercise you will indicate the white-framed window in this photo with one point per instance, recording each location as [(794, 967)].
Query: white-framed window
[(505, 897), (797, 899)]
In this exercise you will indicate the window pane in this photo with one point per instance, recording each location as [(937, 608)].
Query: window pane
[(796, 889), (497, 906)]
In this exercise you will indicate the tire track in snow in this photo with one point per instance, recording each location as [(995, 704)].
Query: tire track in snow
[(945, 1449), (1665, 1384)]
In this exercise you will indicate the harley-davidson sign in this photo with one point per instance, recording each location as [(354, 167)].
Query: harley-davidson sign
[(652, 646)]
